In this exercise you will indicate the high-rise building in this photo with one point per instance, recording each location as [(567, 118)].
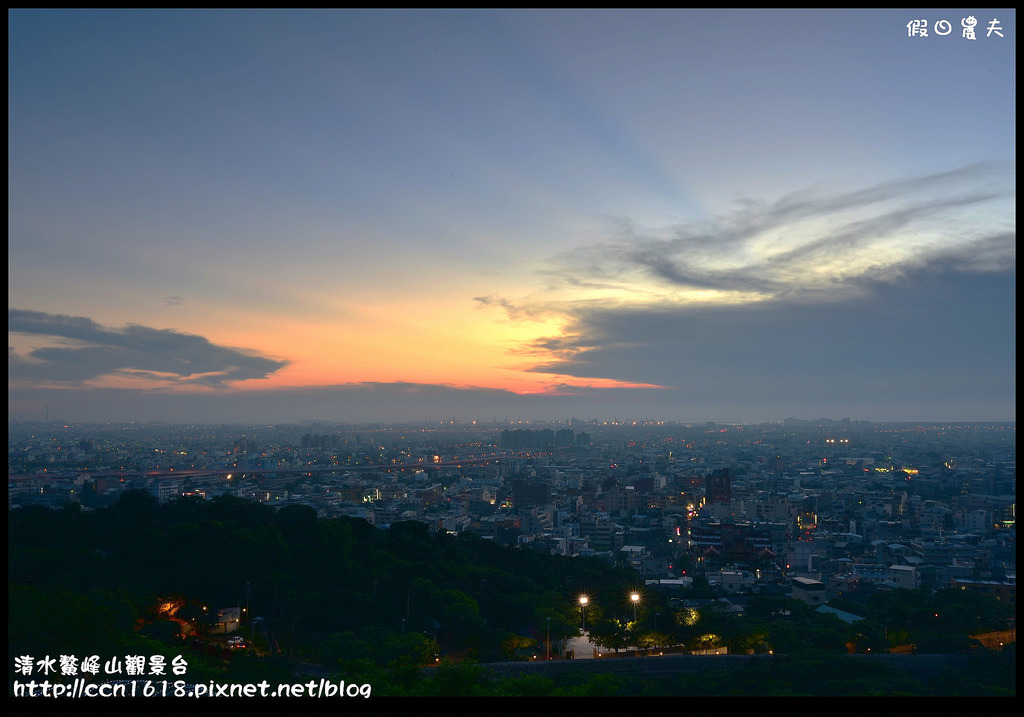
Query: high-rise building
[(526, 492), (719, 486)]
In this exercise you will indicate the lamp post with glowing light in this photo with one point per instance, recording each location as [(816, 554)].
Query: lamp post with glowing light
[(634, 597), (583, 609)]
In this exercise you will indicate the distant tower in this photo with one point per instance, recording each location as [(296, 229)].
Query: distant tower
[(718, 495), (779, 465), (719, 486)]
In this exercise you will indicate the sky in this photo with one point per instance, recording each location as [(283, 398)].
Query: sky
[(351, 215)]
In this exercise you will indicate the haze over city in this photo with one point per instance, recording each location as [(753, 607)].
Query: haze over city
[(737, 216)]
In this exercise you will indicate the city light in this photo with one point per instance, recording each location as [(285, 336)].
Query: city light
[(456, 501)]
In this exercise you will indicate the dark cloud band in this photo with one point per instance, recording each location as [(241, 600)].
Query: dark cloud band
[(93, 351), (857, 238)]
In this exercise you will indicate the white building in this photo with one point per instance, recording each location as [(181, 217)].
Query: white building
[(904, 576), (810, 591)]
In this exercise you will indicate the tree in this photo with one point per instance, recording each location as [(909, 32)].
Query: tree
[(611, 634), (461, 614), (166, 631), (458, 680), (654, 638), (528, 686), (946, 644), (513, 643), (342, 647), (867, 636), (412, 648), (793, 638)]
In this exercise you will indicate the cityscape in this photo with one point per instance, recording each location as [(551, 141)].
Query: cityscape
[(585, 357), (834, 516)]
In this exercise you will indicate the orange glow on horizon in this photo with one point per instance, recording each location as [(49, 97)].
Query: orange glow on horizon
[(410, 339), (452, 344), (448, 344)]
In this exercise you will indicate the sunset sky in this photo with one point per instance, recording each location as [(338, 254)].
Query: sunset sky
[(274, 216)]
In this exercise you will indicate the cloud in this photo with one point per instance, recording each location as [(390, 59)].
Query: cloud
[(805, 246), (87, 351), (936, 337), (891, 296), (513, 312)]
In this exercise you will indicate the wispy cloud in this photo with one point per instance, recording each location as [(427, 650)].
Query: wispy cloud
[(513, 311), (834, 294), (89, 351), (805, 246)]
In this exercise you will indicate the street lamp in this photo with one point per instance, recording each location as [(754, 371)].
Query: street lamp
[(583, 609), (547, 652), (252, 635), (634, 597), (437, 655), (293, 633)]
